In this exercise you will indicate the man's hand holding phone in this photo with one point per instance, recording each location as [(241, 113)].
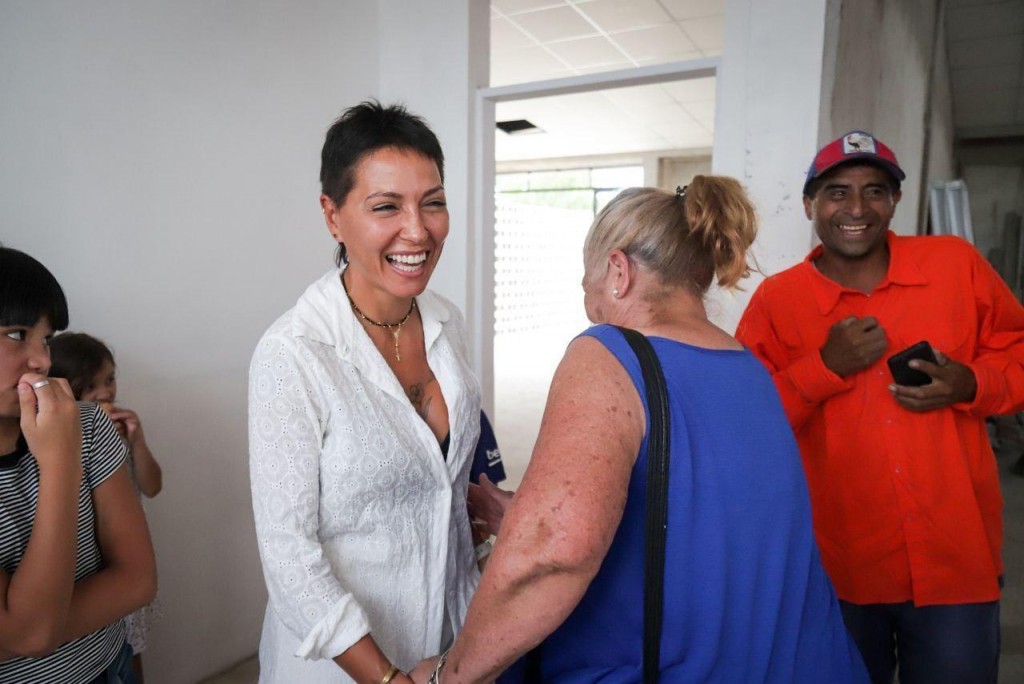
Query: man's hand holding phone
[(951, 383)]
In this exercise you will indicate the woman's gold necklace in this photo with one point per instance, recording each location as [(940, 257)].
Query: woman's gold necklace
[(394, 328)]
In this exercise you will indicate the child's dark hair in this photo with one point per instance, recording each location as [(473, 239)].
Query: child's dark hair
[(29, 292), (78, 357)]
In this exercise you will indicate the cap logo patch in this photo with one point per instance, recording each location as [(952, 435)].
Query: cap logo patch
[(854, 143)]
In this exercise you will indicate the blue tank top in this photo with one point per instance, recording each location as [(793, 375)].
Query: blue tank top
[(746, 598)]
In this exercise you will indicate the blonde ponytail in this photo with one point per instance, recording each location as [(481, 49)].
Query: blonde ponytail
[(721, 216), (686, 239)]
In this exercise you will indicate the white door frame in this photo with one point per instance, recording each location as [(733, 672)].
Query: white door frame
[(480, 297)]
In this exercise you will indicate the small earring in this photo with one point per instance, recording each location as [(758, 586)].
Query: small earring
[(615, 293)]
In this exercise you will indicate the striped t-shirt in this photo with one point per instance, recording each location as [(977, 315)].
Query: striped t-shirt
[(103, 453)]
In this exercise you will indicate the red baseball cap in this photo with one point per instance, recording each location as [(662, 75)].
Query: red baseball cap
[(851, 146)]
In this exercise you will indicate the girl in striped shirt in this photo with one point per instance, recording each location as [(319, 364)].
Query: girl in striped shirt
[(75, 554)]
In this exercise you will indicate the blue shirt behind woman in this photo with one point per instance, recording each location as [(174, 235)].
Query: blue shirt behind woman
[(746, 598)]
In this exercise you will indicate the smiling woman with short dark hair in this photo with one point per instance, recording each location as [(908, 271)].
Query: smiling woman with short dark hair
[(364, 415)]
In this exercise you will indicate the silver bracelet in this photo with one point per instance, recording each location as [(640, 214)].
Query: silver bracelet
[(483, 549), (435, 677)]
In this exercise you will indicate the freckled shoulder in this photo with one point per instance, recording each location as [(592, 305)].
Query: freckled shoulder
[(593, 409), (576, 485)]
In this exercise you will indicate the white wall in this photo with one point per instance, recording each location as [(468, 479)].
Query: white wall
[(433, 56), (162, 158), (766, 126)]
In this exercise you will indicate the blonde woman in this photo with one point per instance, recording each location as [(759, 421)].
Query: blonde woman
[(746, 599)]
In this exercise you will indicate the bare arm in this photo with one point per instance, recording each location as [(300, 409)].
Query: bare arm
[(128, 579), (365, 662), (34, 600), (148, 474), (563, 518)]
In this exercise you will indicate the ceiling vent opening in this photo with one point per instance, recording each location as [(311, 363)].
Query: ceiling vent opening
[(518, 127)]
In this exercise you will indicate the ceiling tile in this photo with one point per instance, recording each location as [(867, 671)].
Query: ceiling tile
[(986, 51), (517, 6), (640, 98), (512, 110), (610, 123), (676, 115), (662, 43), (635, 140), (706, 33), (670, 114), (553, 113), (685, 131), (692, 90), (703, 113), (974, 79), (525, 64), (559, 23), (588, 52), (601, 129), (988, 108), (985, 21), (691, 141), (691, 9), (623, 15), (542, 147), (506, 36)]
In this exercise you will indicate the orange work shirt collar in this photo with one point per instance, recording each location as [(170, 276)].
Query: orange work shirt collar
[(901, 271)]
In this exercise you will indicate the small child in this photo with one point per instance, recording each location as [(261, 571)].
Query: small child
[(88, 365)]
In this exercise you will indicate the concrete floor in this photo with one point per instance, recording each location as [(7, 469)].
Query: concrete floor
[(245, 672), (524, 365)]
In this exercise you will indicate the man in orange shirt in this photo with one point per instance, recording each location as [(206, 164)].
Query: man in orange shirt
[(904, 485)]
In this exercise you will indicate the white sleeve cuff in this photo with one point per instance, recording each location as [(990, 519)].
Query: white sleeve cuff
[(343, 626)]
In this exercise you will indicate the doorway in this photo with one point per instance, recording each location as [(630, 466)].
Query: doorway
[(523, 334)]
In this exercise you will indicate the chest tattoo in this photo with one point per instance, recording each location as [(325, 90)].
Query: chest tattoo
[(417, 393)]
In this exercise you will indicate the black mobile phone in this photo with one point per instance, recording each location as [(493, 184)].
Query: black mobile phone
[(901, 371)]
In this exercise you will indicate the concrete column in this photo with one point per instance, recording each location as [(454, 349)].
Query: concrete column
[(889, 75), (766, 126), (433, 57)]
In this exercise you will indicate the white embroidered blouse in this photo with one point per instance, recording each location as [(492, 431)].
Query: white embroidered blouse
[(361, 522)]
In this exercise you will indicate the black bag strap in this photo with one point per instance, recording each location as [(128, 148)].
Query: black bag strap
[(657, 500)]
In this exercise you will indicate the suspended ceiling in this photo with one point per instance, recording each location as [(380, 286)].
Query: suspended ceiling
[(535, 40), (543, 39)]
